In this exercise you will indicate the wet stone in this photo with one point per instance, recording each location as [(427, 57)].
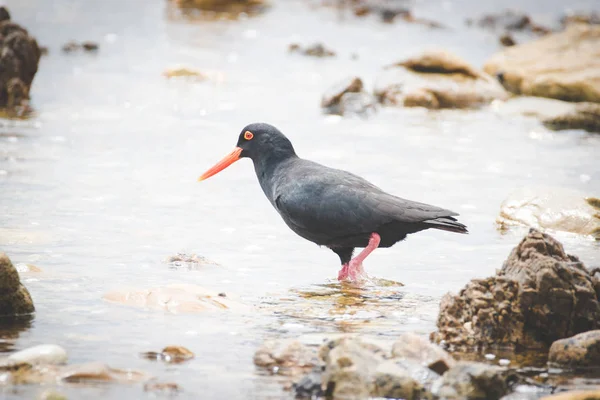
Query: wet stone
[(420, 349), (584, 116), (90, 46), (579, 351), (162, 387), (348, 98), (575, 395), (314, 50), (188, 261), (170, 354), (286, 357), (467, 380), (507, 40), (41, 354), (190, 74), (309, 386), (14, 297)]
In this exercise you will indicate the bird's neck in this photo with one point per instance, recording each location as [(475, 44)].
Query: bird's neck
[(268, 165)]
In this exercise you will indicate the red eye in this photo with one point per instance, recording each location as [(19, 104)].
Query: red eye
[(248, 135)]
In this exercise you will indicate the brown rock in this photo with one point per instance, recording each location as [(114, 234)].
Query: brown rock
[(575, 395), (19, 58), (176, 299), (168, 387), (335, 93), (584, 116), (391, 381), (314, 50), (14, 297), (563, 66), (436, 80), (507, 40), (581, 350), (170, 354), (288, 358), (418, 348), (76, 373), (470, 381), (348, 97), (223, 6), (541, 294)]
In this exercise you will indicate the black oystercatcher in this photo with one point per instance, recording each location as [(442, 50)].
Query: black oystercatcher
[(331, 207)]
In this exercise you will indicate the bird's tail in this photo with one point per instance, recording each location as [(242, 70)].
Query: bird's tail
[(447, 224)]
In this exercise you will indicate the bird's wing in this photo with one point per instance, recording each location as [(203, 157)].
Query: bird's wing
[(334, 203)]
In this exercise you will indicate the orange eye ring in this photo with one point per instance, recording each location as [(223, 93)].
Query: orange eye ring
[(248, 135)]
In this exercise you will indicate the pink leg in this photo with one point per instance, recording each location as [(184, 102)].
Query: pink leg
[(354, 269)]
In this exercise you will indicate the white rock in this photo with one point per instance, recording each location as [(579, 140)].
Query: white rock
[(42, 354)]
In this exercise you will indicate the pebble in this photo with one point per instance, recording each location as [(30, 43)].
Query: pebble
[(42, 354)]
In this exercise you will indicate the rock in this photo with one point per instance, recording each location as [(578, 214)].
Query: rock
[(223, 6), (42, 354), (314, 50), (309, 386), (287, 357), (188, 261), (52, 395), (584, 116), (579, 351), (170, 354), (164, 387), (70, 47), (540, 295), (77, 373), (27, 268), (176, 299), (391, 381), (436, 80), (507, 40), (187, 73), (563, 66), (19, 59), (575, 395), (14, 297), (419, 372), (509, 20), (471, 380), (90, 46), (551, 208), (350, 367), (592, 18), (418, 348), (348, 97)]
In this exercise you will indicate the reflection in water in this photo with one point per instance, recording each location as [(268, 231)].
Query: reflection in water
[(10, 329)]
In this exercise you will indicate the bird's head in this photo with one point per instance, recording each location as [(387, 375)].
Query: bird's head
[(256, 141)]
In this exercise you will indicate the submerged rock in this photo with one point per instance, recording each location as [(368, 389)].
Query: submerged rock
[(418, 348), (509, 20), (19, 59), (392, 381), (552, 208), (314, 50), (176, 299), (579, 351), (162, 387), (41, 354), (540, 295), (14, 297), (93, 372), (188, 261), (223, 6), (348, 97), (436, 80), (170, 354), (288, 357), (564, 66), (185, 73), (471, 380), (592, 18)]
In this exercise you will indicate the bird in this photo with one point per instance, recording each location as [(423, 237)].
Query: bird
[(331, 207)]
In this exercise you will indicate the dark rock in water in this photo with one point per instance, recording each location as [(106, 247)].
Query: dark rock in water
[(162, 387), (507, 40), (71, 46), (592, 18), (418, 348), (314, 50), (540, 295), (470, 380), (14, 297), (579, 351), (90, 46), (510, 20), (223, 6), (391, 381), (309, 386), (436, 80), (348, 97), (584, 116), (19, 58)]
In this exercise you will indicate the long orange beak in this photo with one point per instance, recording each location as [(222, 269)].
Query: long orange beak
[(221, 165)]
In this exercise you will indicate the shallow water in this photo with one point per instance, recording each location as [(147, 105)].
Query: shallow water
[(99, 186)]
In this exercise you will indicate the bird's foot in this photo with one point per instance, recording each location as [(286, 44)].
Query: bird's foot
[(353, 271)]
